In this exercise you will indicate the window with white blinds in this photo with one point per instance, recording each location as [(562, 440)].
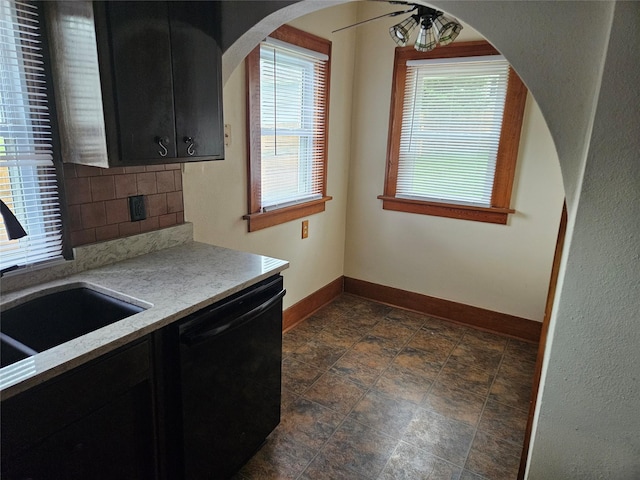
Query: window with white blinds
[(28, 182), (451, 129), (287, 103), (292, 115), (456, 120)]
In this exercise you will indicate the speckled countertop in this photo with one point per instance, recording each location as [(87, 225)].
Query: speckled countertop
[(171, 283)]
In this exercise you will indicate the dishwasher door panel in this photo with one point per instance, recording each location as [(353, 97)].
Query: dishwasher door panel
[(230, 369)]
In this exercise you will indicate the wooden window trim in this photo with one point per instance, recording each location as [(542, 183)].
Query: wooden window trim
[(507, 151), (257, 219)]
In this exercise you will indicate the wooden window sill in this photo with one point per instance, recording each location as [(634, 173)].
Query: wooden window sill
[(463, 212), (258, 221)]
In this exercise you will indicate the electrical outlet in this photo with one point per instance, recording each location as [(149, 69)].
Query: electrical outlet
[(305, 228), (136, 208)]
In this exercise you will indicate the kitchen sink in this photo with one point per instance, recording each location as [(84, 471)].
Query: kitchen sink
[(56, 318), (11, 353)]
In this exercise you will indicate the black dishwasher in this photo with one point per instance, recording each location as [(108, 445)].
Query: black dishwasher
[(229, 379)]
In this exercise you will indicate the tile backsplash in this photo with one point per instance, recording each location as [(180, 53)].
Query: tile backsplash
[(98, 202)]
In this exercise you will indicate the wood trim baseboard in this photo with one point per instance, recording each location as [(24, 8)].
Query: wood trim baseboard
[(308, 305), (502, 323)]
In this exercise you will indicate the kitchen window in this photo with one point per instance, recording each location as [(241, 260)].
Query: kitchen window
[(288, 98), (456, 118), (28, 179)]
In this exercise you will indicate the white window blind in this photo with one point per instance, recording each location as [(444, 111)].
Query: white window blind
[(28, 183), (451, 124), (292, 116)]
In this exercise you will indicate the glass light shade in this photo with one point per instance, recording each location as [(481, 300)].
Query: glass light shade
[(426, 37), (447, 29), (402, 31)]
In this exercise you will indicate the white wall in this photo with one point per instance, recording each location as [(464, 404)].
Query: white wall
[(588, 420), (215, 193), (504, 268)]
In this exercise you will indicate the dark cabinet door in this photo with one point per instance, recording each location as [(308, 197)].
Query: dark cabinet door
[(197, 80), (112, 442), (96, 421), (142, 80)]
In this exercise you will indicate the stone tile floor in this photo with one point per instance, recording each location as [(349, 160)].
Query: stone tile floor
[(374, 392)]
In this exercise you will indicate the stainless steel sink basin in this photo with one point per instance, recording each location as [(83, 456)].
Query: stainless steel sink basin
[(56, 318)]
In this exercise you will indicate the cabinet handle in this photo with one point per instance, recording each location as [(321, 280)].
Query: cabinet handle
[(164, 151), (190, 142)]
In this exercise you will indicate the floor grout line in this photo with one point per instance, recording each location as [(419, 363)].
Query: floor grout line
[(484, 406)]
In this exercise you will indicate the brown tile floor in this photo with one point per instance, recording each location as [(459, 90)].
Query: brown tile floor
[(374, 392)]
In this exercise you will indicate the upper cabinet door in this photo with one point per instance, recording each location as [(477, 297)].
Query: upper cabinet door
[(197, 80), (140, 42), (137, 83)]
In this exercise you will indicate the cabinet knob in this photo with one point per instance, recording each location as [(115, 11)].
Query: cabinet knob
[(190, 144), (162, 141)]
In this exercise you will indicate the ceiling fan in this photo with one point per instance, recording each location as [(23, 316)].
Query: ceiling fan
[(435, 28)]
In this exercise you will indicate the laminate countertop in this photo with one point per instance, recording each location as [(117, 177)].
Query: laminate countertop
[(170, 284)]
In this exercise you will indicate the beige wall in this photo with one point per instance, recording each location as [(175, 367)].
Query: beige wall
[(501, 268), (215, 193)]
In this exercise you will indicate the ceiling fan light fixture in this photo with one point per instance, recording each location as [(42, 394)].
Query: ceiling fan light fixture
[(401, 32), (435, 28), (448, 29), (427, 39)]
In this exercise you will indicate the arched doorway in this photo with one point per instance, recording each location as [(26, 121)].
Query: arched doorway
[(254, 35), (559, 49)]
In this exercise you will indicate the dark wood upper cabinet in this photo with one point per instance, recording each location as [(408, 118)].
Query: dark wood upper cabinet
[(157, 71), (139, 51), (196, 96)]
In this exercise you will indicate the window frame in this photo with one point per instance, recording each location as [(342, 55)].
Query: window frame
[(508, 147), (66, 251), (257, 219)]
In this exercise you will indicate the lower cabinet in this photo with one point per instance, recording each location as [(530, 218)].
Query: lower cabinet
[(193, 400), (94, 422)]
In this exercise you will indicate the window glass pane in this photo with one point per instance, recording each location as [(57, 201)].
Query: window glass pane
[(292, 118), (28, 183), (451, 130)]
